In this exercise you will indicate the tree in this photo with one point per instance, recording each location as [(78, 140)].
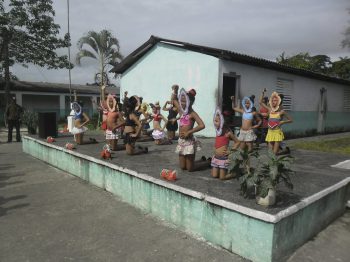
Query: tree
[(318, 63), (29, 35), (104, 48), (341, 68)]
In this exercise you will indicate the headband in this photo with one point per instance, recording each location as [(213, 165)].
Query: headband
[(181, 94), (218, 130), (114, 107), (275, 94), (250, 107), (77, 109)]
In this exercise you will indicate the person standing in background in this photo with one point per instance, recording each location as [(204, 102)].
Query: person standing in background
[(13, 115)]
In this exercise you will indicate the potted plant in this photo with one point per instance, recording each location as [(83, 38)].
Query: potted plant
[(270, 174), (240, 165), (264, 177), (30, 119)]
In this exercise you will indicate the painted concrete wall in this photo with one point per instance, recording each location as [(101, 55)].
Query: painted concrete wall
[(306, 95), (231, 230), (154, 74), (250, 236)]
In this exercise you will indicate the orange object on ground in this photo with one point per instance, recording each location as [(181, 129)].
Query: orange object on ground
[(106, 152), (50, 139), (70, 146), (168, 174)]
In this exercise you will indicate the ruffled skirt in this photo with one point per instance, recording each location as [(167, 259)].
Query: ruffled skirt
[(188, 146), (158, 134), (274, 135), (76, 130)]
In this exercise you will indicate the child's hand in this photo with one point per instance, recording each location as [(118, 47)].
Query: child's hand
[(103, 87), (133, 135), (184, 134), (232, 98)]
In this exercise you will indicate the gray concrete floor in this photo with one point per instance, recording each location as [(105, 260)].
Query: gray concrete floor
[(48, 215)]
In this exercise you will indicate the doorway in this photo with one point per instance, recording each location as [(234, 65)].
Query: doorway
[(229, 88)]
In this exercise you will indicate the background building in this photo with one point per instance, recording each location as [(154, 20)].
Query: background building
[(317, 103), (52, 97)]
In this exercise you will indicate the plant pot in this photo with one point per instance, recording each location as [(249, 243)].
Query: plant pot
[(269, 200)]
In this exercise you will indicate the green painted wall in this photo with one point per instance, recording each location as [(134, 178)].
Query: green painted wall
[(246, 236), (292, 232), (153, 75), (305, 122), (249, 237)]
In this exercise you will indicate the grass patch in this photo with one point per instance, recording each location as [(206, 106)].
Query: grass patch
[(339, 146)]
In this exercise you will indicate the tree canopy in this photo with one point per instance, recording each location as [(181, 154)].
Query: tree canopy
[(29, 35), (319, 64), (103, 47)]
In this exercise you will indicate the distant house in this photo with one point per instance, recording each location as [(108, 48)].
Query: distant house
[(316, 102), (53, 97)]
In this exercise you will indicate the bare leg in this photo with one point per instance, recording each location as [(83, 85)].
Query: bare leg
[(171, 135), (79, 138), (271, 145), (182, 162), (276, 147), (250, 146), (190, 162), (242, 145), (215, 172)]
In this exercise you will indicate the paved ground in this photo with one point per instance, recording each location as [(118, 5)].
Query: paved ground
[(47, 215)]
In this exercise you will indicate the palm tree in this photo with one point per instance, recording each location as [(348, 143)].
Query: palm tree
[(103, 47)]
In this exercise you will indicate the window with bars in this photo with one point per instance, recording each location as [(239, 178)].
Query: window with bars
[(346, 99), (285, 87)]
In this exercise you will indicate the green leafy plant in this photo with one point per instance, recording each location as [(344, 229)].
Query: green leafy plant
[(30, 119), (275, 171), (263, 175), (240, 164)]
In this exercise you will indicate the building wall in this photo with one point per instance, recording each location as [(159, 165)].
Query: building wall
[(305, 93), (154, 74)]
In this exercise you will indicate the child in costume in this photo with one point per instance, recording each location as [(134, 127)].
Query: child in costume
[(132, 127), (219, 162), (115, 122), (172, 125), (145, 118), (275, 134), (246, 133), (188, 145), (80, 120), (158, 133)]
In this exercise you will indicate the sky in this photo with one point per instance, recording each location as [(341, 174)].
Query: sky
[(260, 28)]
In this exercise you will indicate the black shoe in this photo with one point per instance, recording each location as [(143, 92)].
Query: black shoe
[(93, 140), (203, 158)]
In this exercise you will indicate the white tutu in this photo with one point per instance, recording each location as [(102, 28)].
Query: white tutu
[(158, 134), (76, 130)]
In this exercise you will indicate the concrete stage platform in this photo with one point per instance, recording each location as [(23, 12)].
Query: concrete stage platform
[(207, 207)]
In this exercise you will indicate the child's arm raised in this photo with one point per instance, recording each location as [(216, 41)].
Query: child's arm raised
[(234, 107), (261, 102)]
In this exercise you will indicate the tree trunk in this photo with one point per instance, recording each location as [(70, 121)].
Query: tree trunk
[(5, 57), (7, 69)]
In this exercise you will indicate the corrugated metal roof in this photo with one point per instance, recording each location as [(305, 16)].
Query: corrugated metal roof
[(221, 54), (56, 88)]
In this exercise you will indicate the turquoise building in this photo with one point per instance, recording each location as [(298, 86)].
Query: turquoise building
[(316, 102)]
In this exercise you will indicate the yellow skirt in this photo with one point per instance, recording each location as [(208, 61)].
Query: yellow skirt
[(274, 135)]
